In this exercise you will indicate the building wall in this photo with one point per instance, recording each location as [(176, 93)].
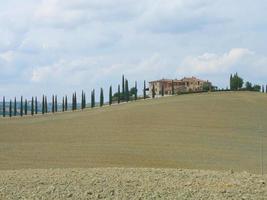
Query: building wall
[(183, 85)]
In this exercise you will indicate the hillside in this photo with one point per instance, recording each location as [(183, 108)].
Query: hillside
[(217, 131)]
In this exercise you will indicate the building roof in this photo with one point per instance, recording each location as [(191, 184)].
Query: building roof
[(181, 80)]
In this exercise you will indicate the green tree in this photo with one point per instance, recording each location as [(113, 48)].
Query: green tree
[(10, 108), (53, 104), (46, 106), (26, 107), (126, 90), (101, 97), (63, 104), (123, 88), (110, 95), (66, 103), (236, 82), (263, 89), (43, 105), (36, 106), (119, 94), (4, 107), (144, 90), (15, 107), (56, 103), (32, 107), (135, 94), (248, 86), (93, 98), (21, 106)]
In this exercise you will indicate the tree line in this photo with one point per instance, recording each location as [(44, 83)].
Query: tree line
[(34, 107), (237, 84)]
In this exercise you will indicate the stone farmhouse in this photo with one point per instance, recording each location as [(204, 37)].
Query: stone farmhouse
[(186, 84)]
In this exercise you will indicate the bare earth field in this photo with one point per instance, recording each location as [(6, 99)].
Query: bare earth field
[(116, 183), (215, 131)]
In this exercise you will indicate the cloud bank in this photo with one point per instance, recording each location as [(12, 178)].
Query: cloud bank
[(56, 46)]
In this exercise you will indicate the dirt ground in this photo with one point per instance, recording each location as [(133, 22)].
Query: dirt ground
[(118, 183)]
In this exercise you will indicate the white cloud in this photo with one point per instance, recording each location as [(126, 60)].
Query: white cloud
[(210, 63)]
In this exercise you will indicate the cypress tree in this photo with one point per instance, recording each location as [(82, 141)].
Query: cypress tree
[(72, 102), (36, 106), (92, 101), (101, 97), (21, 106), (10, 108), (66, 103), (56, 103), (32, 107), (135, 94), (84, 100), (266, 89), (53, 104), (63, 104), (110, 95), (126, 90), (162, 89), (15, 107), (43, 105), (172, 87), (153, 91), (46, 106), (4, 107), (144, 90), (26, 107), (123, 88), (263, 89), (119, 94)]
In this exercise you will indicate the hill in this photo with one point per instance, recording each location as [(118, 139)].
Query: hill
[(217, 131)]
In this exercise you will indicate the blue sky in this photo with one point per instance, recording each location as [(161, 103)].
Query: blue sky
[(58, 46)]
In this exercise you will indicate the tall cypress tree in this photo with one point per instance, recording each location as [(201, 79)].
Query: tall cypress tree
[(43, 105), (63, 104), (92, 101), (53, 104), (10, 108), (56, 103), (135, 94), (36, 106), (172, 87), (110, 95), (66, 103), (21, 106), (101, 97), (153, 91), (15, 107), (46, 106), (84, 100), (263, 89), (126, 90), (144, 90), (123, 88), (26, 107), (73, 102), (119, 94), (32, 107), (4, 107)]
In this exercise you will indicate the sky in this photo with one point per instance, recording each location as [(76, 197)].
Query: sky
[(60, 46)]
